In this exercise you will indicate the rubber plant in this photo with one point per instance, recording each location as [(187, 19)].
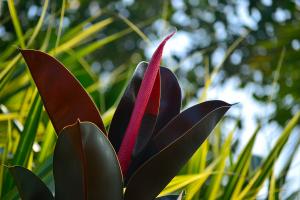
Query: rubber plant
[(148, 142)]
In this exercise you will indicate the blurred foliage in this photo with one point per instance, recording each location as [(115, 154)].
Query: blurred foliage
[(210, 27), (101, 43)]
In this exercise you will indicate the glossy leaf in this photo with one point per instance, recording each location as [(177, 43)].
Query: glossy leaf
[(170, 98), (141, 104), (64, 98), (173, 146), (85, 166), (30, 187)]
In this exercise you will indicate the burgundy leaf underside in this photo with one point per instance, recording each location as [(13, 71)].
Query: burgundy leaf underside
[(63, 96)]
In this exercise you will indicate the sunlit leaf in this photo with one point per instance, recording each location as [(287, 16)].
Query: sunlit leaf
[(63, 96)]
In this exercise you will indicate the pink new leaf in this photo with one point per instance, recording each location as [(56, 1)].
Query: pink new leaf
[(140, 106)]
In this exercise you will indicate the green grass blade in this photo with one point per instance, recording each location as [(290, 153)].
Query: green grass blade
[(16, 22), (256, 182), (198, 161), (193, 189), (61, 20), (30, 129), (4, 154), (79, 27), (81, 36), (100, 43), (272, 187), (277, 74), (108, 115), (39, 24), (182, 181), (281, 179), (240, 169), (47, 38), (135, 28), (48, 143), (5, 74), (215, 182), (27, 137)]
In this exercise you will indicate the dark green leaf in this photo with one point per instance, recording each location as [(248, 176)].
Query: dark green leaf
[(85, 165), (30, 187), (173, 146)]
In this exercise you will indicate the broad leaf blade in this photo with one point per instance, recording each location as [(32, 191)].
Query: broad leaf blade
[(85, 165), (29, 185), (175, 144), (170, 98), (64, 98)]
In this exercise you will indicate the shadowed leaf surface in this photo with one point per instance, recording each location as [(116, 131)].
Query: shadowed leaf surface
[(85, 165), (169, 106), (30, 186), (178, 140), (170, 98), (125, 107), (64, 98)]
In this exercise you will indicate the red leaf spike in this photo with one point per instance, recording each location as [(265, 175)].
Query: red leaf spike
[(141, 102)]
